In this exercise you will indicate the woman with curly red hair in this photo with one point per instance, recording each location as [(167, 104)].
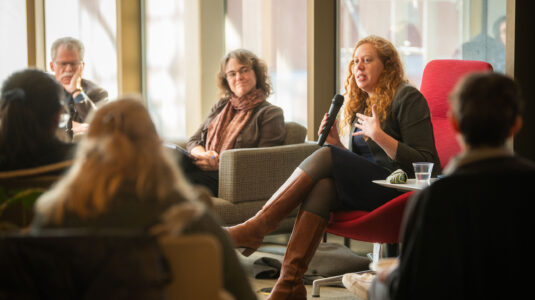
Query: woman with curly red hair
[(390, 127)]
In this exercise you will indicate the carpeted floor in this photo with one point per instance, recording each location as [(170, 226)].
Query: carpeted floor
[(332, 258)]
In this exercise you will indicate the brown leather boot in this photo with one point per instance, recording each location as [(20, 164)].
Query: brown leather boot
[(250, 234), (306, 236)]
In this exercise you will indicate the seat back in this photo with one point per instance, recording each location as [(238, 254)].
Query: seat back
[(295, 133), (195, 263), (51, 171), (115, 264), (438, 80), (19, 189), (76, 264)]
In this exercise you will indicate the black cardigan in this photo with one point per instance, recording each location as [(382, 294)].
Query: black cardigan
[(409, 122)]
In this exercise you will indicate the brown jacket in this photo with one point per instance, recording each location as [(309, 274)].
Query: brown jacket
[(266, 127)]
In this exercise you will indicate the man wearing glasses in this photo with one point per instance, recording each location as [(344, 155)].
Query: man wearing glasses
[(81, 95)]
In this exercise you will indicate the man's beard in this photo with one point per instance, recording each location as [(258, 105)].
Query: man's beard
[(66, 74)]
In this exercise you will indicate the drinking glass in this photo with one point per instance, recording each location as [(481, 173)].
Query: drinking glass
[(422, 172)]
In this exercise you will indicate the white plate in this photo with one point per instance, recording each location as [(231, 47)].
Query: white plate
[(411, 184)]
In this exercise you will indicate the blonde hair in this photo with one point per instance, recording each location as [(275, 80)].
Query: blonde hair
[(122, 150), (387, 84)]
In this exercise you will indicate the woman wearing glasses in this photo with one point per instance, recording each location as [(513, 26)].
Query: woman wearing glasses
[(242, 118)]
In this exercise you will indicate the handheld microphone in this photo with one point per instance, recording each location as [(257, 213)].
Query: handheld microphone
[(337, 102)]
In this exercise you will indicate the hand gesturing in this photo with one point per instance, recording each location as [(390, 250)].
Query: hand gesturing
[(369, 125)]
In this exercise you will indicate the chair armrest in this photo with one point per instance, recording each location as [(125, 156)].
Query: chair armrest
[(179, 142), (189, 257), (256, 173)]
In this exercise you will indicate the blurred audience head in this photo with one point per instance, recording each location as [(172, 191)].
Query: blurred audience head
[(122, 153), (486, 108), (248, 59), (30, 108)]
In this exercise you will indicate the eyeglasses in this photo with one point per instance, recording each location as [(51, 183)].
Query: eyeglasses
[(232, 74), (73, 64)]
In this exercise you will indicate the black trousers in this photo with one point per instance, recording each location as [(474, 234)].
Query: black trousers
[(208, 179)]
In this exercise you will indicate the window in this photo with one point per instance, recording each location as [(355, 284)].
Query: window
[(423, 30), (275, 30), (165, 46), (94, 23), (13, 54)]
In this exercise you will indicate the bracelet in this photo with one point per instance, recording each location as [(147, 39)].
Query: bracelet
[(77, 90)]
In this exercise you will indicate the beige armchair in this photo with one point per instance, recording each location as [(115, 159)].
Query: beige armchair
[(190, 256), (248, 177)]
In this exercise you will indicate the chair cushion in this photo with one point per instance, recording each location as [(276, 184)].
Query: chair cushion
[(342, 216), (382, 225)]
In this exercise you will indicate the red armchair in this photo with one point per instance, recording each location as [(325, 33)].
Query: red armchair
[(382, 225), (438, 80)]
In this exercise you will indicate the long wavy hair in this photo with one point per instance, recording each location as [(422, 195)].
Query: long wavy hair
[(122, 150), (392, 76), (250, 59)]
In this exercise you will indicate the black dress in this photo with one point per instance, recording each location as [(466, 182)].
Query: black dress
[(409, 122), (353, 174)]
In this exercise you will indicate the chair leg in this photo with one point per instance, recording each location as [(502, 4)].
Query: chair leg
[(376, 252), (391, 250), (316, 284), (334, 280)]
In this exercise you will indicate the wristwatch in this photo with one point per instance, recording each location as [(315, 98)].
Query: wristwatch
[(80, 97)]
